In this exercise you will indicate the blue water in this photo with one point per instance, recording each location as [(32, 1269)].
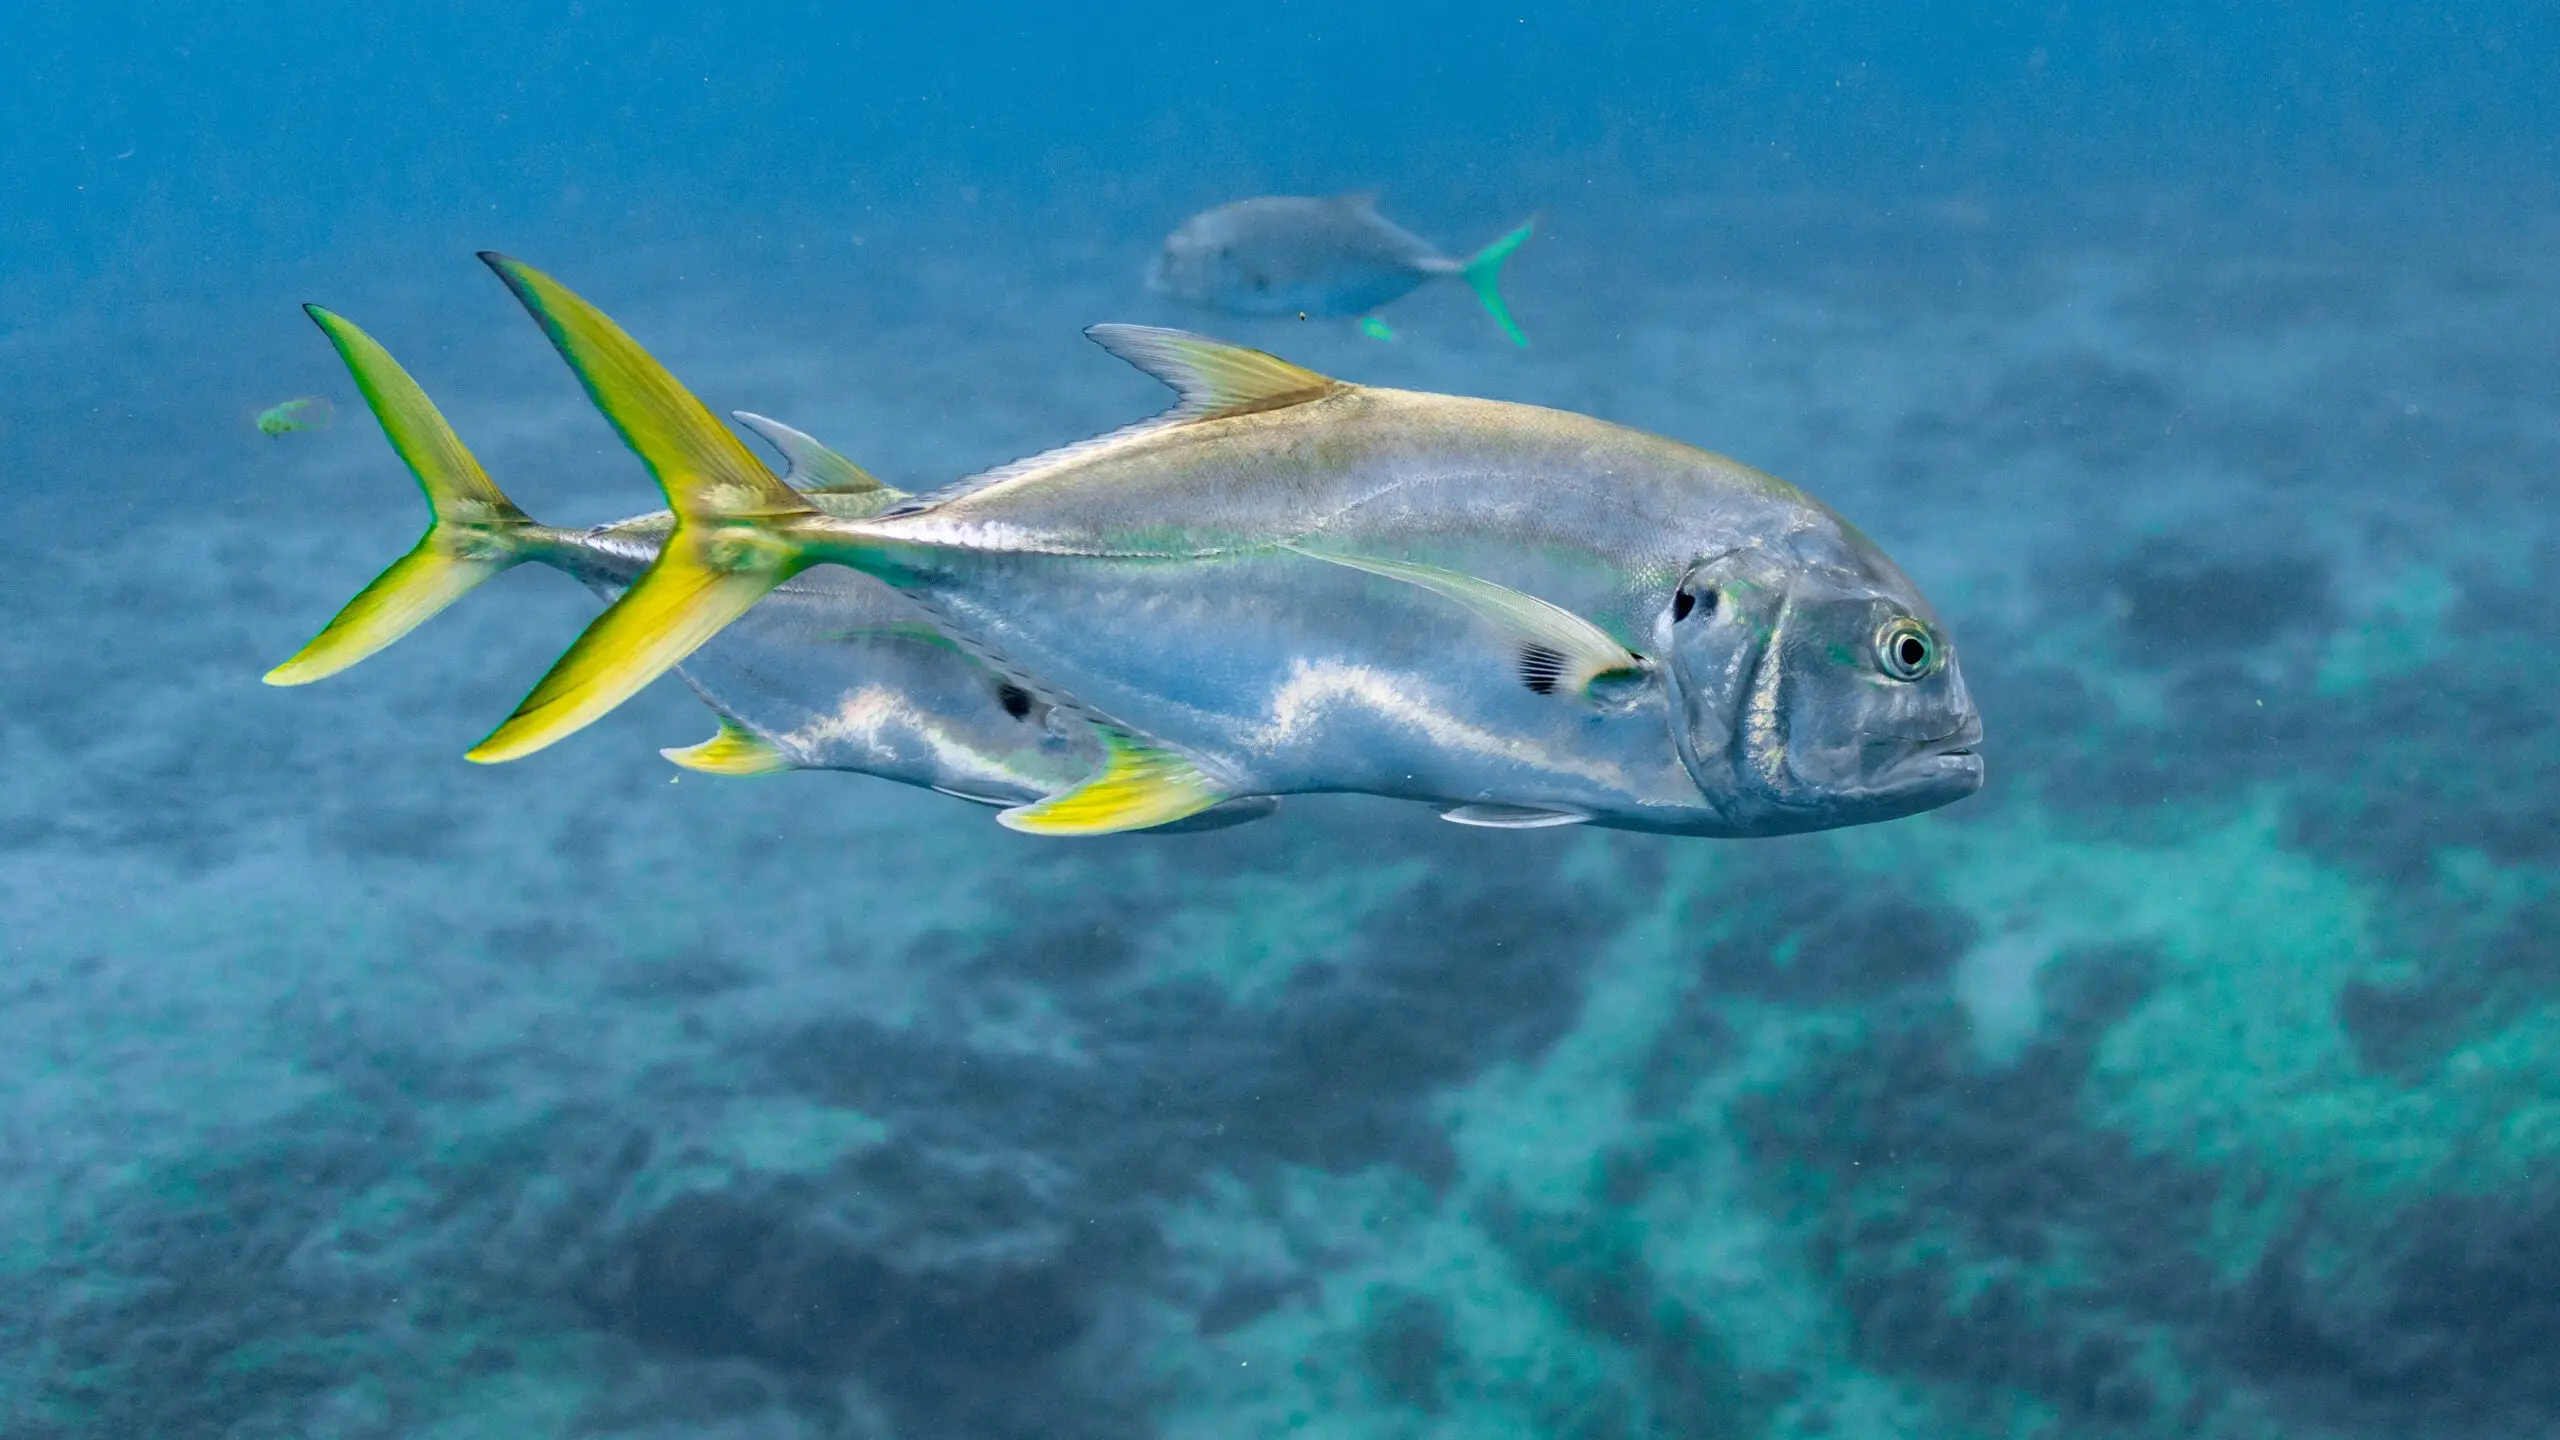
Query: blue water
[(2199, 1077)]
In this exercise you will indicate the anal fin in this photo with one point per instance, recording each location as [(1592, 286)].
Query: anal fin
[(736, 750), (1511, 817), (1141, 786)]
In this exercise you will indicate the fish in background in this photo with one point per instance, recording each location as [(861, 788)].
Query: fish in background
[(307, 412), (1330, 256), (835, 672), (1288, 584)]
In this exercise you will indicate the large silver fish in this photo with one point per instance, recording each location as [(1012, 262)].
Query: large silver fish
[(835, 671), (1333, 255), (1289, 584)]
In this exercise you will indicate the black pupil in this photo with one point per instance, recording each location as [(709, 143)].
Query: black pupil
[(1682, 602), (1910, 650)]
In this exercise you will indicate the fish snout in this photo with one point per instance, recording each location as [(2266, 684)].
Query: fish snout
[(1952, 761)]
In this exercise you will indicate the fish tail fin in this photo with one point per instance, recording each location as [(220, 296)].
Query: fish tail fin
[(1483, 274), (474, 531), (733, 540)]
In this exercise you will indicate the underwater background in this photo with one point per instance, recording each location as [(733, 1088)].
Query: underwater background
[(2199, 1077)]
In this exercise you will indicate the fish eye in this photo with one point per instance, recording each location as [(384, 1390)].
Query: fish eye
[(1686, 602), (1906, 650)]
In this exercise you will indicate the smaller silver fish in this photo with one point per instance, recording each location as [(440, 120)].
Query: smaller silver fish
[(844, 674), (1332, 255)]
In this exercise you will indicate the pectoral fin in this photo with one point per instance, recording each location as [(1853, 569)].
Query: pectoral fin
[(736, 750), (1141, 786), (1554, 650), (1510, 817)]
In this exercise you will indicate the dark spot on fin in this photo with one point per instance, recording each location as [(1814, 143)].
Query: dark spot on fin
[(1541, 667), (1015, 700)]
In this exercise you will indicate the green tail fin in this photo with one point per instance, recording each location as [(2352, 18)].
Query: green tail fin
[(1483, 275), (732, 542), (475, 531)]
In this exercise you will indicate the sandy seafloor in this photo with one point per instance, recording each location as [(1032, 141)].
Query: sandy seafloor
[(2198, 1078)]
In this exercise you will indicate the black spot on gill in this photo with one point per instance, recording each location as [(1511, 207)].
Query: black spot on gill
[(1541, 669), (1015, 700)]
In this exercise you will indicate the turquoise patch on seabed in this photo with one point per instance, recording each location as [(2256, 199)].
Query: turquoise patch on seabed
[(1376, 329)]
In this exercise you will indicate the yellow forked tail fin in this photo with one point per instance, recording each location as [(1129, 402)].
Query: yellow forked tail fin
[(732, 541), (475, 531)]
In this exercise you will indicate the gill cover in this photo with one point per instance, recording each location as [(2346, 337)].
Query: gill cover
[(1726, 713)]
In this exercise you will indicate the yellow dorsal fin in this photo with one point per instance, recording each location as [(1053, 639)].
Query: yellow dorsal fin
[(736, 750), (1141, 786), (1214, 378)]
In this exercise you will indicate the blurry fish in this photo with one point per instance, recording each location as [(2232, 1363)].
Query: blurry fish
[(841, 674), (1285, 254), (309, 412), (1377, 329), (1288, 584)]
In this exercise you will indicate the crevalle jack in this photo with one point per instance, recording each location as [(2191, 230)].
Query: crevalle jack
[(1289, 584)]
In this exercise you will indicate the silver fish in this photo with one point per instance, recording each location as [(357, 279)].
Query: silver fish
[(1330, 256), (1288, 584), (835, 671)]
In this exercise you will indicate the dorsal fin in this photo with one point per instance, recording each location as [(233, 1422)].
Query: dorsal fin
[(1214, 379), (814, 467), (1359, 202)]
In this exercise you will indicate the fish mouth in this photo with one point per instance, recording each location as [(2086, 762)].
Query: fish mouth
[(1958, 764), (1949, 761)]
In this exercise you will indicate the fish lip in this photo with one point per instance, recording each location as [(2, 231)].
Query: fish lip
[(1944, 760), (1962, 764)]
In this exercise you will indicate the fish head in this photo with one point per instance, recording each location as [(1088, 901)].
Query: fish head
[(1195, 262), (1813, 687)]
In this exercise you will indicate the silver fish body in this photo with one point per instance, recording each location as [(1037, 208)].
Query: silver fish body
[(836, 671), (1287, 584), (1190, 583)]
